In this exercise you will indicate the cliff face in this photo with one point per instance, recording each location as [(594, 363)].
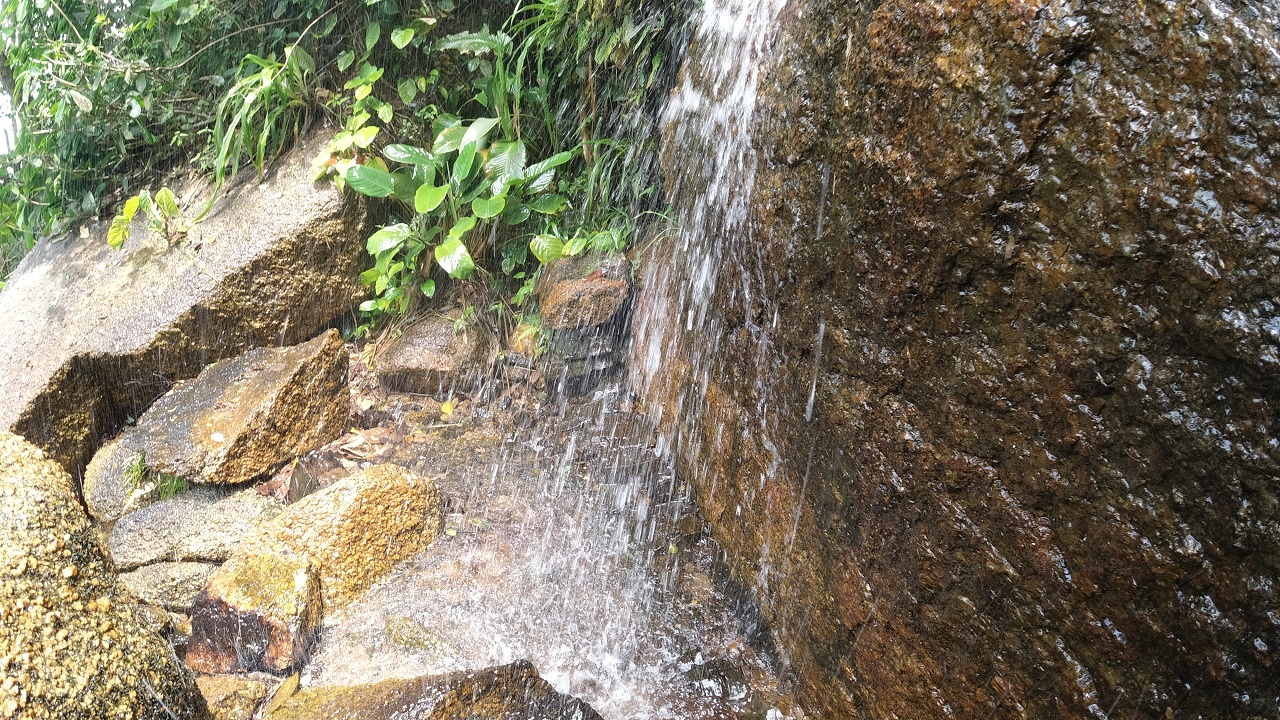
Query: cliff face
[(996, 435)]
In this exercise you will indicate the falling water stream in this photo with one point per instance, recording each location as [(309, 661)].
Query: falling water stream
[(574, 544)]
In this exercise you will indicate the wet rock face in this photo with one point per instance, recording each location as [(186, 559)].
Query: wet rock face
[(1031, 254), (202, 525), (435, 357), (74, 645), (500, 693), (238, 419), (90, 336)]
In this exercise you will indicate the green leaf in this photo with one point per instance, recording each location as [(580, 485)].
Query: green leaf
[(162, 5), (462, 227), (516, 213), (540, 174), (167, 203), (506, 162), (371, 35), (463, 165), (388, 238), (452, 255), (476, 42), (428, 198), (428, 288), (370, 181), (81, 101), (547, 248), (405, 185), (370, 276), (479, 130), (485, 209), (548, 204), (345, 60), (401, 37), (117, 233), (131, 208), (386, 112), (576, 245), (364, 136), (408, 155), (408, 90)]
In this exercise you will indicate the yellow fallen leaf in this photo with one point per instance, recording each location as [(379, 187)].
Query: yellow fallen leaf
[(446, 409)]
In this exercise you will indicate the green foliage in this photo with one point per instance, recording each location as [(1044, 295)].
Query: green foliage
[(109, 95), (141, 477), (162, 213)]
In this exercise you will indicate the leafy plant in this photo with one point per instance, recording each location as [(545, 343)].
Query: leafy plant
[(142, 478), (163, 215)]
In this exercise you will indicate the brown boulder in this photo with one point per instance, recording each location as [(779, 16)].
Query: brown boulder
[(232, 697), (436, 357), (500, 693), (74, 645), (984, 398), (347, 535), (238, 419)]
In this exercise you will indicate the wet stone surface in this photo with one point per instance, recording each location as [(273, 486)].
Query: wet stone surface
[(982, 391)]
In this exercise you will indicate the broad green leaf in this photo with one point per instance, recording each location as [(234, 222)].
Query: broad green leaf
[(370, 276), (408, 155), (462, 227), (479, 130), (548, 204), (449, 139), (407, 89), (81, 101), (386, 112), (506, 162), (370, 181), (371, 35), (162, 5), (364, 136), (485, 209), (345, 60), (428, 198), (540, 174), (405, 186), (401, 37), (388, 238), (547, 248), (167, 203), (131, 208), (576, 245), (428, 288), (452, 255), (463, 165), (117, 233), (516, 213), (476, 42), (368, 75)]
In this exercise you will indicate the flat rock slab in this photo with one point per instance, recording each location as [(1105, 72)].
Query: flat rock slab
[(203, 525), (74, 644), (170, 585), (238, 419), (90, 336), (500, 693), (260, 611), (435, 358)]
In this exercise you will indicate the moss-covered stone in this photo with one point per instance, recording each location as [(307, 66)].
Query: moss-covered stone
[(73, 643), (259, 611)]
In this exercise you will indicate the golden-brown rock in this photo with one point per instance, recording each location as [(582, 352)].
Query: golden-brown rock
[(73, 643), (232, 697)]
